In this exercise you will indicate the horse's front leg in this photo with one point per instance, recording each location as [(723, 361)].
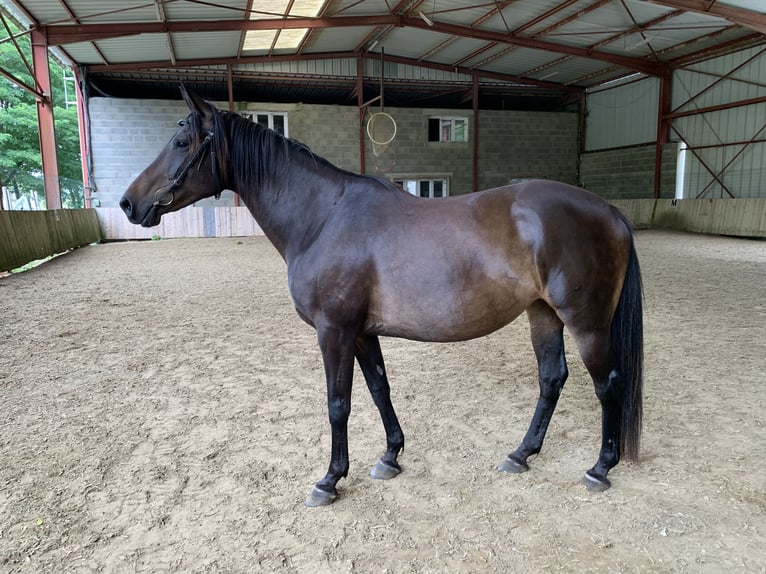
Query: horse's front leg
[(337, 347), (370, 360)]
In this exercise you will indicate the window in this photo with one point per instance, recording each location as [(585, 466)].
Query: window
[(445, 129), (424, 187), (276, 121)]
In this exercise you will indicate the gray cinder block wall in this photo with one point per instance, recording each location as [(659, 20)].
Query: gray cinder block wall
[(126, 135), (512, 145), (628, 173)]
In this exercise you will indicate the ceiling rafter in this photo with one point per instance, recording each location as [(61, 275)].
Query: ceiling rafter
[(611, 39), (160, 6), (74, 18), (496, 9), (651, 68), (380, 32), (548, 30), (144, 66), (570, 39), (541, 18), (748, 18), (62, 34)]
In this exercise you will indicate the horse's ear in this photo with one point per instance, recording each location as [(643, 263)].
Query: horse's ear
[(195, 103)]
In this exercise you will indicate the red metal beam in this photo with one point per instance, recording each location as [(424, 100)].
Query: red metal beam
[(748, 18), (362, 109), (663, 129), (65, 34), (475, 97), (638, 64), (717, 108), (732, 160), (83, 125), (139, 66), (719, 80), (46, 129), (69, 33), (496, 9)]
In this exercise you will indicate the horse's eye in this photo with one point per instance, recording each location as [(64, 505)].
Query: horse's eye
[(181, 144)]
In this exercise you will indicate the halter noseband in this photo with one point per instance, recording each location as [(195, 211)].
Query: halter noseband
[(180, 174)]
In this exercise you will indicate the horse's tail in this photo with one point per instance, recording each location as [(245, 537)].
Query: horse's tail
[(627, 344)]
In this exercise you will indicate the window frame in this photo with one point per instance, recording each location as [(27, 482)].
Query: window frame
[(252, 115), (436, 130), (413, 184)]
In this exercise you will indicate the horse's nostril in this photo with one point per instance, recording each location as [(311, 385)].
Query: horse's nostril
[(126, 206)]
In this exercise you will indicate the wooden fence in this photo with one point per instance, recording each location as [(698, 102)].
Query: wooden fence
[(30, 235), (188, 222)]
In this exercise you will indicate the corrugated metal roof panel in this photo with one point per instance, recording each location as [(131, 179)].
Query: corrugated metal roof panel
[(85, 53), (329, 67), (402, 43), (150, 48), (454, 52), (205, 45), (337, 39), (397, 71), (218, 10), (89, 12)]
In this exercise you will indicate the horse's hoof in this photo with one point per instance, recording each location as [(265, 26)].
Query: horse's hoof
[(594, 484), (384, 471), (512, 466), (319, 497)]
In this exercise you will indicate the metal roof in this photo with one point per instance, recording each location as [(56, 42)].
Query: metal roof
[(533, 54)]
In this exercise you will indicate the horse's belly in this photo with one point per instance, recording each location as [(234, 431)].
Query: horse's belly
[(448, 314)]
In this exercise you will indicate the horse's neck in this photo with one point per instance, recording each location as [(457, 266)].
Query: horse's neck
[(292, 210)]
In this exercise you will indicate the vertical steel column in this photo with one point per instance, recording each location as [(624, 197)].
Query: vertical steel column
[(83, 125), (230, 88), (663, 128), (475, 95), (360, 104), (45, 122)]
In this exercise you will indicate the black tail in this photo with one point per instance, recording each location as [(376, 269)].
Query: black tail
[(627, 344)]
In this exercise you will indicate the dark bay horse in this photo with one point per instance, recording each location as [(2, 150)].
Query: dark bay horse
[(558, 252)]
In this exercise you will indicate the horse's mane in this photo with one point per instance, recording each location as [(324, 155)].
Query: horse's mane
[(254, 155)]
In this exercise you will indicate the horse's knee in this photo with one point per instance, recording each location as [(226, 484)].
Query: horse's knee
[(552, 383), (338, 410)]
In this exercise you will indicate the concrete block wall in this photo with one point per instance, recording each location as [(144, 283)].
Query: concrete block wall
[(628, 173), (525, 145), (512, 145), (126, 135)]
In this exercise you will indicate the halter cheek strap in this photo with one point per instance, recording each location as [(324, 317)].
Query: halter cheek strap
[(167, 189)]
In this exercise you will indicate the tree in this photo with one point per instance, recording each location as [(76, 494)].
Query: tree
[(20, 159)]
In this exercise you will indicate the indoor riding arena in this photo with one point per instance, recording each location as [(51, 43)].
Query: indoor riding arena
[(267, 187)]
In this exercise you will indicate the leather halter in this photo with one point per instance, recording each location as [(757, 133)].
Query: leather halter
[(180, 174)]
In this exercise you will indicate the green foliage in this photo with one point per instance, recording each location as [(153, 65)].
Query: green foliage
[(20, 160)]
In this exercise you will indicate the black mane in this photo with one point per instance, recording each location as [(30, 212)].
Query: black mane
[(255, 156)]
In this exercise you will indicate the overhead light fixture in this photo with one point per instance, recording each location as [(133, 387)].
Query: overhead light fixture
[(546, 76), (425, 18)]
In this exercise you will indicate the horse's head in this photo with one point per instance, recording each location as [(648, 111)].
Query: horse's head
[(189, 167)]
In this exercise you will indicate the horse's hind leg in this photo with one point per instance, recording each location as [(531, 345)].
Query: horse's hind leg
[(370, 360), (594, 348), (548, 342)]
